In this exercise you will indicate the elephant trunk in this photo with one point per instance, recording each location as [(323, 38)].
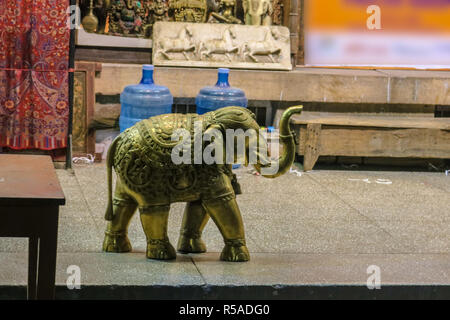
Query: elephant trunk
[(286, 159)]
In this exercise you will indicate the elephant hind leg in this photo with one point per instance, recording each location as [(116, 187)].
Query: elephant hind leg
[(154, 221), (194, 221), (124, 207), (227, 216)]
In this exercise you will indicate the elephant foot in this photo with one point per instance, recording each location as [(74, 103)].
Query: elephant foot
[(160, 250), (235, 251), (116, 242), (187, 244)]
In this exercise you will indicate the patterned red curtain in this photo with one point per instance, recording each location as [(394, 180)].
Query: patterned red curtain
[(34, 61)]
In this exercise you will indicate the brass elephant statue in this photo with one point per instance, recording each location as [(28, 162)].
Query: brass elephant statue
[(148, 179)]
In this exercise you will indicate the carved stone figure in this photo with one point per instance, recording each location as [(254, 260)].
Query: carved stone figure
[(226, 13), (148, 179), (135, 18), (257, 12), (127, 17), (189, 10), (267, 47), (223, 46), (158, 10), (183, 44)]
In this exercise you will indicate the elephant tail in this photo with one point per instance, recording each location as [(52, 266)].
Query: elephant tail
[(109, 215)]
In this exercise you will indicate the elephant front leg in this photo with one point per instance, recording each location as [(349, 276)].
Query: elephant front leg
[(116, 238), (227, 216), (194, 221), (154, 221)]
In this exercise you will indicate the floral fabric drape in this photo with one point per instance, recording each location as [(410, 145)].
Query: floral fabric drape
[(34, 61)]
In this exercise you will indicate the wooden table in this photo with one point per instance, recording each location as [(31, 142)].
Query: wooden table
[(30, 196)]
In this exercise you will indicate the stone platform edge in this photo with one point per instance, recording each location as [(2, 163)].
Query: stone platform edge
[(245, 292)]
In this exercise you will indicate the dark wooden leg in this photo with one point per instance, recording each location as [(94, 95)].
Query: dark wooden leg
[(47, 254), (32, 266)]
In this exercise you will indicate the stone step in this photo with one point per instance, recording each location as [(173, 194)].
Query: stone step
[(266, 276)]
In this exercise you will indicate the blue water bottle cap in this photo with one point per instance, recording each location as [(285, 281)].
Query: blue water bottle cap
[(270, 129), (148, 67), (224, 70)]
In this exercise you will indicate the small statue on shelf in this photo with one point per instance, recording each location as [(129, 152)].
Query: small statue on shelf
[(189, 10), (226, 13), (127, 17), (159, 10), (156, 10), (257, 12), (135, 18), (90, 21)]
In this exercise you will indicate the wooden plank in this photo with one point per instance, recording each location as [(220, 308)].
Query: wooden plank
[(312, 145), (323, 109), (376, 121), (28, 180), (301, 138), (113, 55), (383, 142), (292, 14), (301, 84)]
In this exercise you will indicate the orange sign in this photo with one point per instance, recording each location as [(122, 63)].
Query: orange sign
[(396, 15), (410, 33)]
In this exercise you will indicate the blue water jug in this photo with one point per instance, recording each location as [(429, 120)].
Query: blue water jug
[(221, 95), (143, 100)]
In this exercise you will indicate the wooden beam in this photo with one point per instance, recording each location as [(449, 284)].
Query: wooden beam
[(383, 142), (312, 145), (301, 84)]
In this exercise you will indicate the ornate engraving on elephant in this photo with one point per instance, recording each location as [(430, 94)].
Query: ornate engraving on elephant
[(221, 45), (148, 179)]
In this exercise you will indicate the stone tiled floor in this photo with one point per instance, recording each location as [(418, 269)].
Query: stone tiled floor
[(325, 226)]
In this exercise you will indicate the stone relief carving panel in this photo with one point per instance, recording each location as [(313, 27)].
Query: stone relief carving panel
[(221, 45)]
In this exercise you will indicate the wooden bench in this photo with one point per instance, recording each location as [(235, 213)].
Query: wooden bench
[(30, 196), (371, 136)]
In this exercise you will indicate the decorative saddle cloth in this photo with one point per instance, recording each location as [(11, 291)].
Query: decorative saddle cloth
[(143, 160)]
